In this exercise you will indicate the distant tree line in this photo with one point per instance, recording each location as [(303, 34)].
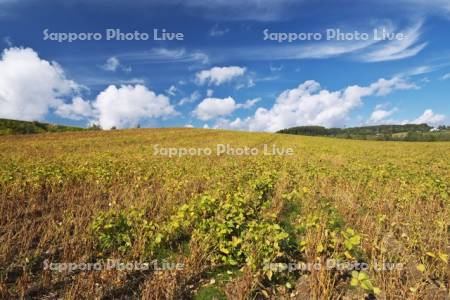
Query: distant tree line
[(8, 126), (407, 132)]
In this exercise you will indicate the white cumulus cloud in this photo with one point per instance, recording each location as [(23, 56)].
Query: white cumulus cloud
[(309, 104), (127, 105), (211, 108), (31, 86), (119, 107), (430, 118), (219, 75), (380, 114), (76, 110)]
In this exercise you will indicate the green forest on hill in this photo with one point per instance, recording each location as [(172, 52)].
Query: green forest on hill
[(407, 132), (8, 126)]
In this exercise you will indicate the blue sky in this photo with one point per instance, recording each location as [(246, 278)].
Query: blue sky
[(224, 73)]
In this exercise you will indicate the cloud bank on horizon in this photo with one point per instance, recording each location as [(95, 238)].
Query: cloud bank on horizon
[(226, 73)]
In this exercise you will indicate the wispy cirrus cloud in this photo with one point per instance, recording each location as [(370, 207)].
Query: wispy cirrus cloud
[(165, 55), (256, 10), (272, 10), (446, 76), (397, 48), (439, 7), (193, 97), (253, 10), (315, 50), (428, 67), (419, 70), (217, 31), (7, 40), (373, 49), (100, 81)]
